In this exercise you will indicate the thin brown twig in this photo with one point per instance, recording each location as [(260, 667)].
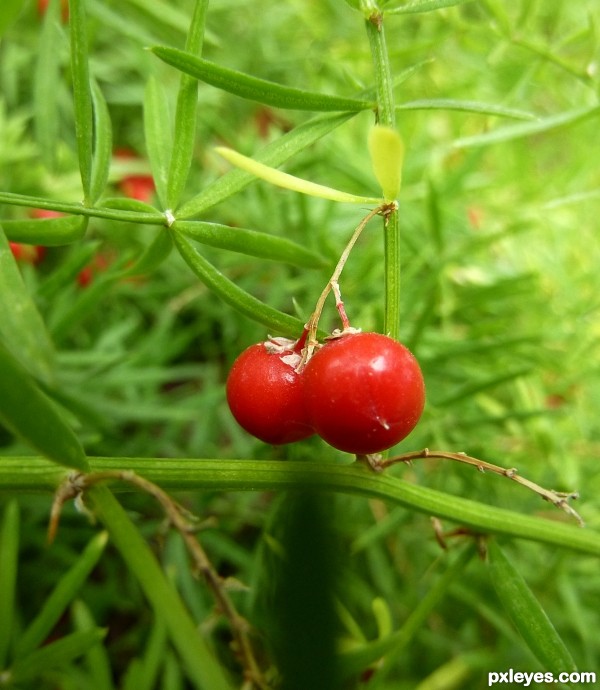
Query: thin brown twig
[(184, 522), (557, 498)]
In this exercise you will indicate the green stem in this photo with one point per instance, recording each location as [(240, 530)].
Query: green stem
[(139, 217), (381, 66), (200, 663), (385, 116), (31, 474)]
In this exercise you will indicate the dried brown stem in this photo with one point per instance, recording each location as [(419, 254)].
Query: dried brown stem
[(187, 526), (557, 498)]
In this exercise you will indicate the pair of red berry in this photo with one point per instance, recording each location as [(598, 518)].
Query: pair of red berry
[(361, 392)]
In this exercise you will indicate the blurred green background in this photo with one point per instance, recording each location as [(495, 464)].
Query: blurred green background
[(500, 294)]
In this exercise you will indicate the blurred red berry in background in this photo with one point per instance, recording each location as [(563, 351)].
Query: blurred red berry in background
[(140, 187)]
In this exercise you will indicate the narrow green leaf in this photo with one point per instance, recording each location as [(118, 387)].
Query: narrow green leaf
[(576, 198), (471, 389), (233, 295), (46, 85), (455, 673), (124, 203), (54, 655), (476, 107), (102, 145), (61, 597), (424, 6), (48, 232), (9, 560), (28, 413), (273, 154), (150, 217), (527, 614), (287, 181), (249, 242), (64, 275), (201, 665), (154, 655), (98, 661), (254, 89), (163, 12), (82, 94), (84, 305), (22, 329), (527, 129), (185, 114), (157, 129), (354, 661)]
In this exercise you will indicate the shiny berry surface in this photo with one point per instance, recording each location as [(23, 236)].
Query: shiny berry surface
[(265, 396), (364, 392)]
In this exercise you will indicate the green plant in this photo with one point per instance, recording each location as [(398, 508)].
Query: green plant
[(119, 388)]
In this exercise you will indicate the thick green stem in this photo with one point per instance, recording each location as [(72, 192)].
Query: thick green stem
[(29, 474), (385, 116)]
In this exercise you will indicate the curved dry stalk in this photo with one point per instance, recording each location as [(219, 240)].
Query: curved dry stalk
[(557, 498), (333, 284), (187, 525)]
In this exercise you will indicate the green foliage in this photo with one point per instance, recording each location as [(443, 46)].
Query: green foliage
[(246, 86), (528, 616), (114, 349)]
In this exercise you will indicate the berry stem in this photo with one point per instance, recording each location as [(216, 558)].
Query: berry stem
[(333, 284), (339, 304)]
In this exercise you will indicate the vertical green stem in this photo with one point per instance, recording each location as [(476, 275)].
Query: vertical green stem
[(386, 116)]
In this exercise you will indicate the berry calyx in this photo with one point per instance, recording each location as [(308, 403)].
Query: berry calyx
[(364, 392), (264, 393)]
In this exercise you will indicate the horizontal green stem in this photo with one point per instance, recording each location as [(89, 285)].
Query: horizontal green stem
[(30, 474), (80, 210)]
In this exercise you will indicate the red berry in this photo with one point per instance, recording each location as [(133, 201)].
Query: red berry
[(265, 394), (140, 187), (98, 264), (364, 392)]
